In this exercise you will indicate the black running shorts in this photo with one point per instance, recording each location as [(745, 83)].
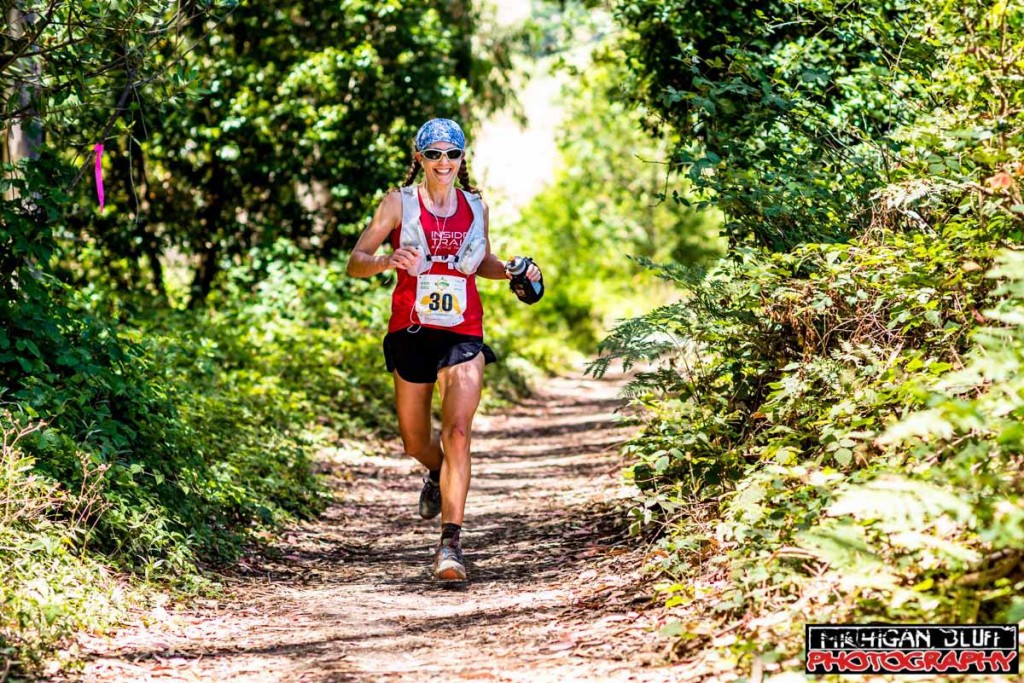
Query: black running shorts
[(417, 356)]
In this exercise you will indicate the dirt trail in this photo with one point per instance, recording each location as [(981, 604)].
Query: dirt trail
[(553, 594)]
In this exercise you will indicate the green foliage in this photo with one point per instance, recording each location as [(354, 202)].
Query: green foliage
[(314, 329), (798, 110), (296, 120), (132, 407), (48, 590), (189, 431), (953, 522), (302, 117), (778, 412), (606, 207), (197, 433), (766, 349), (833, 411), (67, 60)]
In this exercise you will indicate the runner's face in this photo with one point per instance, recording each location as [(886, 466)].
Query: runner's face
[(444, 171)]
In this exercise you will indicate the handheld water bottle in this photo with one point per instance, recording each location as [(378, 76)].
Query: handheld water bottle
[(529, 292)]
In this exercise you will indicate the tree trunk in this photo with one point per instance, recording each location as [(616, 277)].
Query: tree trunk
[(23, 136), (206, 271), (209, 221), (152, 246)]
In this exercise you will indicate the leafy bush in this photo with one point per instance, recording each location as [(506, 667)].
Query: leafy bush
[(955, 514), (828, 439), (48, 588), (186, 431), (762, 452), (121, 402)]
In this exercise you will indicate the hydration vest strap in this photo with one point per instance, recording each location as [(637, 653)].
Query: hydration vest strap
[(410, 206), (476, 206), (414, 236)]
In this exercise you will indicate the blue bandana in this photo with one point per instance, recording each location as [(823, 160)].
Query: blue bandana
[(440, 130)]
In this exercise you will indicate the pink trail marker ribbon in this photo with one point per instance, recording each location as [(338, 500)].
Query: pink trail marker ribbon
[(99, 173)]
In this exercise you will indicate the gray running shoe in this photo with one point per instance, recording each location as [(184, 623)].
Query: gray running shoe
[(430, 498), (448, 564)]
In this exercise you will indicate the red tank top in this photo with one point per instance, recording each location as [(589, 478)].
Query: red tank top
[(444, 238)]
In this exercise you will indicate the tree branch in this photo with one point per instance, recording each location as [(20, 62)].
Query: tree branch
[(30, 41)]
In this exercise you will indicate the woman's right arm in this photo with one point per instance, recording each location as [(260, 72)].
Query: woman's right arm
[(363, 261)]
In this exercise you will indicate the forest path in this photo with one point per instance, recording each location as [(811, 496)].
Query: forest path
[(553, 592)]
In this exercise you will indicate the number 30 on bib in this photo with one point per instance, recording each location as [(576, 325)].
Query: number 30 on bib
[(440, 299)]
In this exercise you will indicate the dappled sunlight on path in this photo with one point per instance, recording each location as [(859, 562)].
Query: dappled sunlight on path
[(554, 594)]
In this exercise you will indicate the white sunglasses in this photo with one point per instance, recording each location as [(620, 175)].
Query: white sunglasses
[(433, 154)]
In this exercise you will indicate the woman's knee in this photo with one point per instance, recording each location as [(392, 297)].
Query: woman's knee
[(456, 431), (416, 445)]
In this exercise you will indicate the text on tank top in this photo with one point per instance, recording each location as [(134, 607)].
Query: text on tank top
[(444, 238)]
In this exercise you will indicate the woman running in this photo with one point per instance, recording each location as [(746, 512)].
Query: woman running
[(439, 237)]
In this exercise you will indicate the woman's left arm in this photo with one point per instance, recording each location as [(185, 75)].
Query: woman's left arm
[(493, 267)]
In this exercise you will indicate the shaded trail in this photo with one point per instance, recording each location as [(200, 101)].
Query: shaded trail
[(553, 594)]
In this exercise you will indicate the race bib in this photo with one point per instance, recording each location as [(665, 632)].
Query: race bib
[(440, 299)]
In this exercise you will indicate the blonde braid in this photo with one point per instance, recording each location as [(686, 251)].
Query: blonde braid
[(414, 170), (464, 181)]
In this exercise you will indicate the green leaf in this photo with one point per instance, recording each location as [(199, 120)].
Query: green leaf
[(672, 629)]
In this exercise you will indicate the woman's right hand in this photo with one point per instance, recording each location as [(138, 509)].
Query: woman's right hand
[(407, 258)]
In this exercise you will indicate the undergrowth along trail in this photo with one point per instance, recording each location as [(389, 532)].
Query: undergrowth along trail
[(554, 593)]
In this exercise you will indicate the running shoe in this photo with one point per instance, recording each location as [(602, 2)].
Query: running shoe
[(430, 498), (448, 564)]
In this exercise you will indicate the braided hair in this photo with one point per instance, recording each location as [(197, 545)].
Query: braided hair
[(410, 175), (464, 180)]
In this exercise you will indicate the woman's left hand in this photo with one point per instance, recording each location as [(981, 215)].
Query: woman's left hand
[(532, 272)]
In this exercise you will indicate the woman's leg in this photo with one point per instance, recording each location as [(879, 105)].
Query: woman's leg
[(460, 395), (412, 401)]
